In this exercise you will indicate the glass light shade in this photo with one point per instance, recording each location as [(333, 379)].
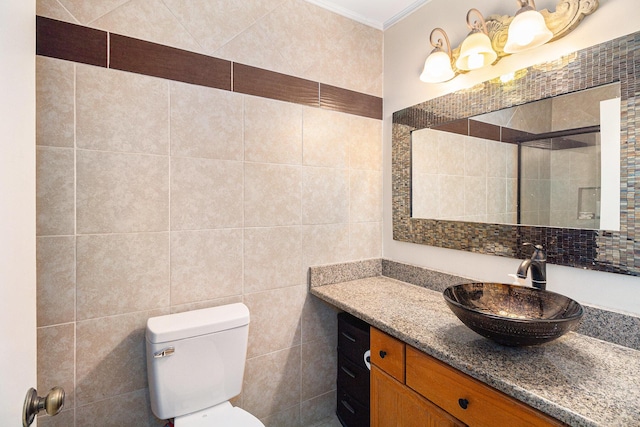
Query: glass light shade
[(476, 52), (437, 68), (526, 31)]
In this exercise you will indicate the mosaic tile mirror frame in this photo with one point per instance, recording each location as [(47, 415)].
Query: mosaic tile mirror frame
[(617, 60)]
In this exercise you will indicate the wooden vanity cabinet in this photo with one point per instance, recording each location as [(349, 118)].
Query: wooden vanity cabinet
[(431, 393), (387, 353), (394, 404), (466, 398)]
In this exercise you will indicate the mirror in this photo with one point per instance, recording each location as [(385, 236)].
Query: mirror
[(609, 246), (538, 163)]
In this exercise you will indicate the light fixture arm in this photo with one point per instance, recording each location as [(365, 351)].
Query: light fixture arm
[(437, 44), (525, 5), (477, 26)]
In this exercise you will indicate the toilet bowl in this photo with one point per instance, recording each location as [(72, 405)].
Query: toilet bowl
[(195, 364), (223, 414)]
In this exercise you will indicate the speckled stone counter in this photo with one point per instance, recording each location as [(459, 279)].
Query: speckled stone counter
[(577, 379)]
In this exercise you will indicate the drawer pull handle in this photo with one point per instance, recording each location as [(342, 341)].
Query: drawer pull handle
[(347, 336), (349, 408), (348, 372), (382, 354), (464, 403)]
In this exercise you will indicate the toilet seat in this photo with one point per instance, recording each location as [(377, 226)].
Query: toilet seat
[(222, 415)]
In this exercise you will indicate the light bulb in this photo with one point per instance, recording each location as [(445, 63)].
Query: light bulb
[(475, 61), (475, 52)]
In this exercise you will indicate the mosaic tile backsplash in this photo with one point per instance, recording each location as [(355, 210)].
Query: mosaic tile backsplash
[(610, 251)]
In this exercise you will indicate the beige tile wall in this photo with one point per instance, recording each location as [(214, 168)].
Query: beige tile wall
[(288, 36), (157, 197)]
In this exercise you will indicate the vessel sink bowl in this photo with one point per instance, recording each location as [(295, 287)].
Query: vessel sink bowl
[(513, 315)]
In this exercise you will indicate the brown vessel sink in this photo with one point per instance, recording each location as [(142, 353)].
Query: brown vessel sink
[(513, 315)]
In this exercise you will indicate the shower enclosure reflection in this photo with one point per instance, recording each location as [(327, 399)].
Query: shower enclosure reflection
[(553, 162)]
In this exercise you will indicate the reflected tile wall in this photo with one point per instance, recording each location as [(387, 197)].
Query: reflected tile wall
[(157, 197), (438, 175)]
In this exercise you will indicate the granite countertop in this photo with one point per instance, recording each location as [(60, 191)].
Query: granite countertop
[(579, 380)]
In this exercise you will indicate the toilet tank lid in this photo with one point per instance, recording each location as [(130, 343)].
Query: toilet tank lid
[(197, 322)]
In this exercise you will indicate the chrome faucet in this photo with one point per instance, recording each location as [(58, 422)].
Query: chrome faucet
[(538, 265)]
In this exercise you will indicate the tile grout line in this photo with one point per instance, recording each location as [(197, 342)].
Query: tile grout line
[(75, 240), (169, 190), (108, 50)]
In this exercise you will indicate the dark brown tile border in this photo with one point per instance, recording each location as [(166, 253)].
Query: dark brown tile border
[(269, 84), (484, 130), (471, 128), (460, 127), (71, 42), (348, 101), (61, 40), (152, 59), (513, 135)]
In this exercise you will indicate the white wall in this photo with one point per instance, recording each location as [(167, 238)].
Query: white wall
[(17, 207), (406, 46)]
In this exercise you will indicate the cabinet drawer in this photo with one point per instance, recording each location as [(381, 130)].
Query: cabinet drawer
[(351, 412), (396, 405), (387, 353), (467, 399), (353, 379), (353, 338)]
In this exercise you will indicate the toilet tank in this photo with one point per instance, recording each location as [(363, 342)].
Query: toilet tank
[(196, 359)]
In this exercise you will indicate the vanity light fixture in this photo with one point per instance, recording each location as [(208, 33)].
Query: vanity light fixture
[(476, 51), (527, 30), (498, 36), (437, 66)]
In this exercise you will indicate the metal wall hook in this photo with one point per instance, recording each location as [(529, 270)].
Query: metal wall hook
[(52, 404)]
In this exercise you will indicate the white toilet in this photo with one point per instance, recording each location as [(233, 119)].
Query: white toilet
[(195, 362)]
